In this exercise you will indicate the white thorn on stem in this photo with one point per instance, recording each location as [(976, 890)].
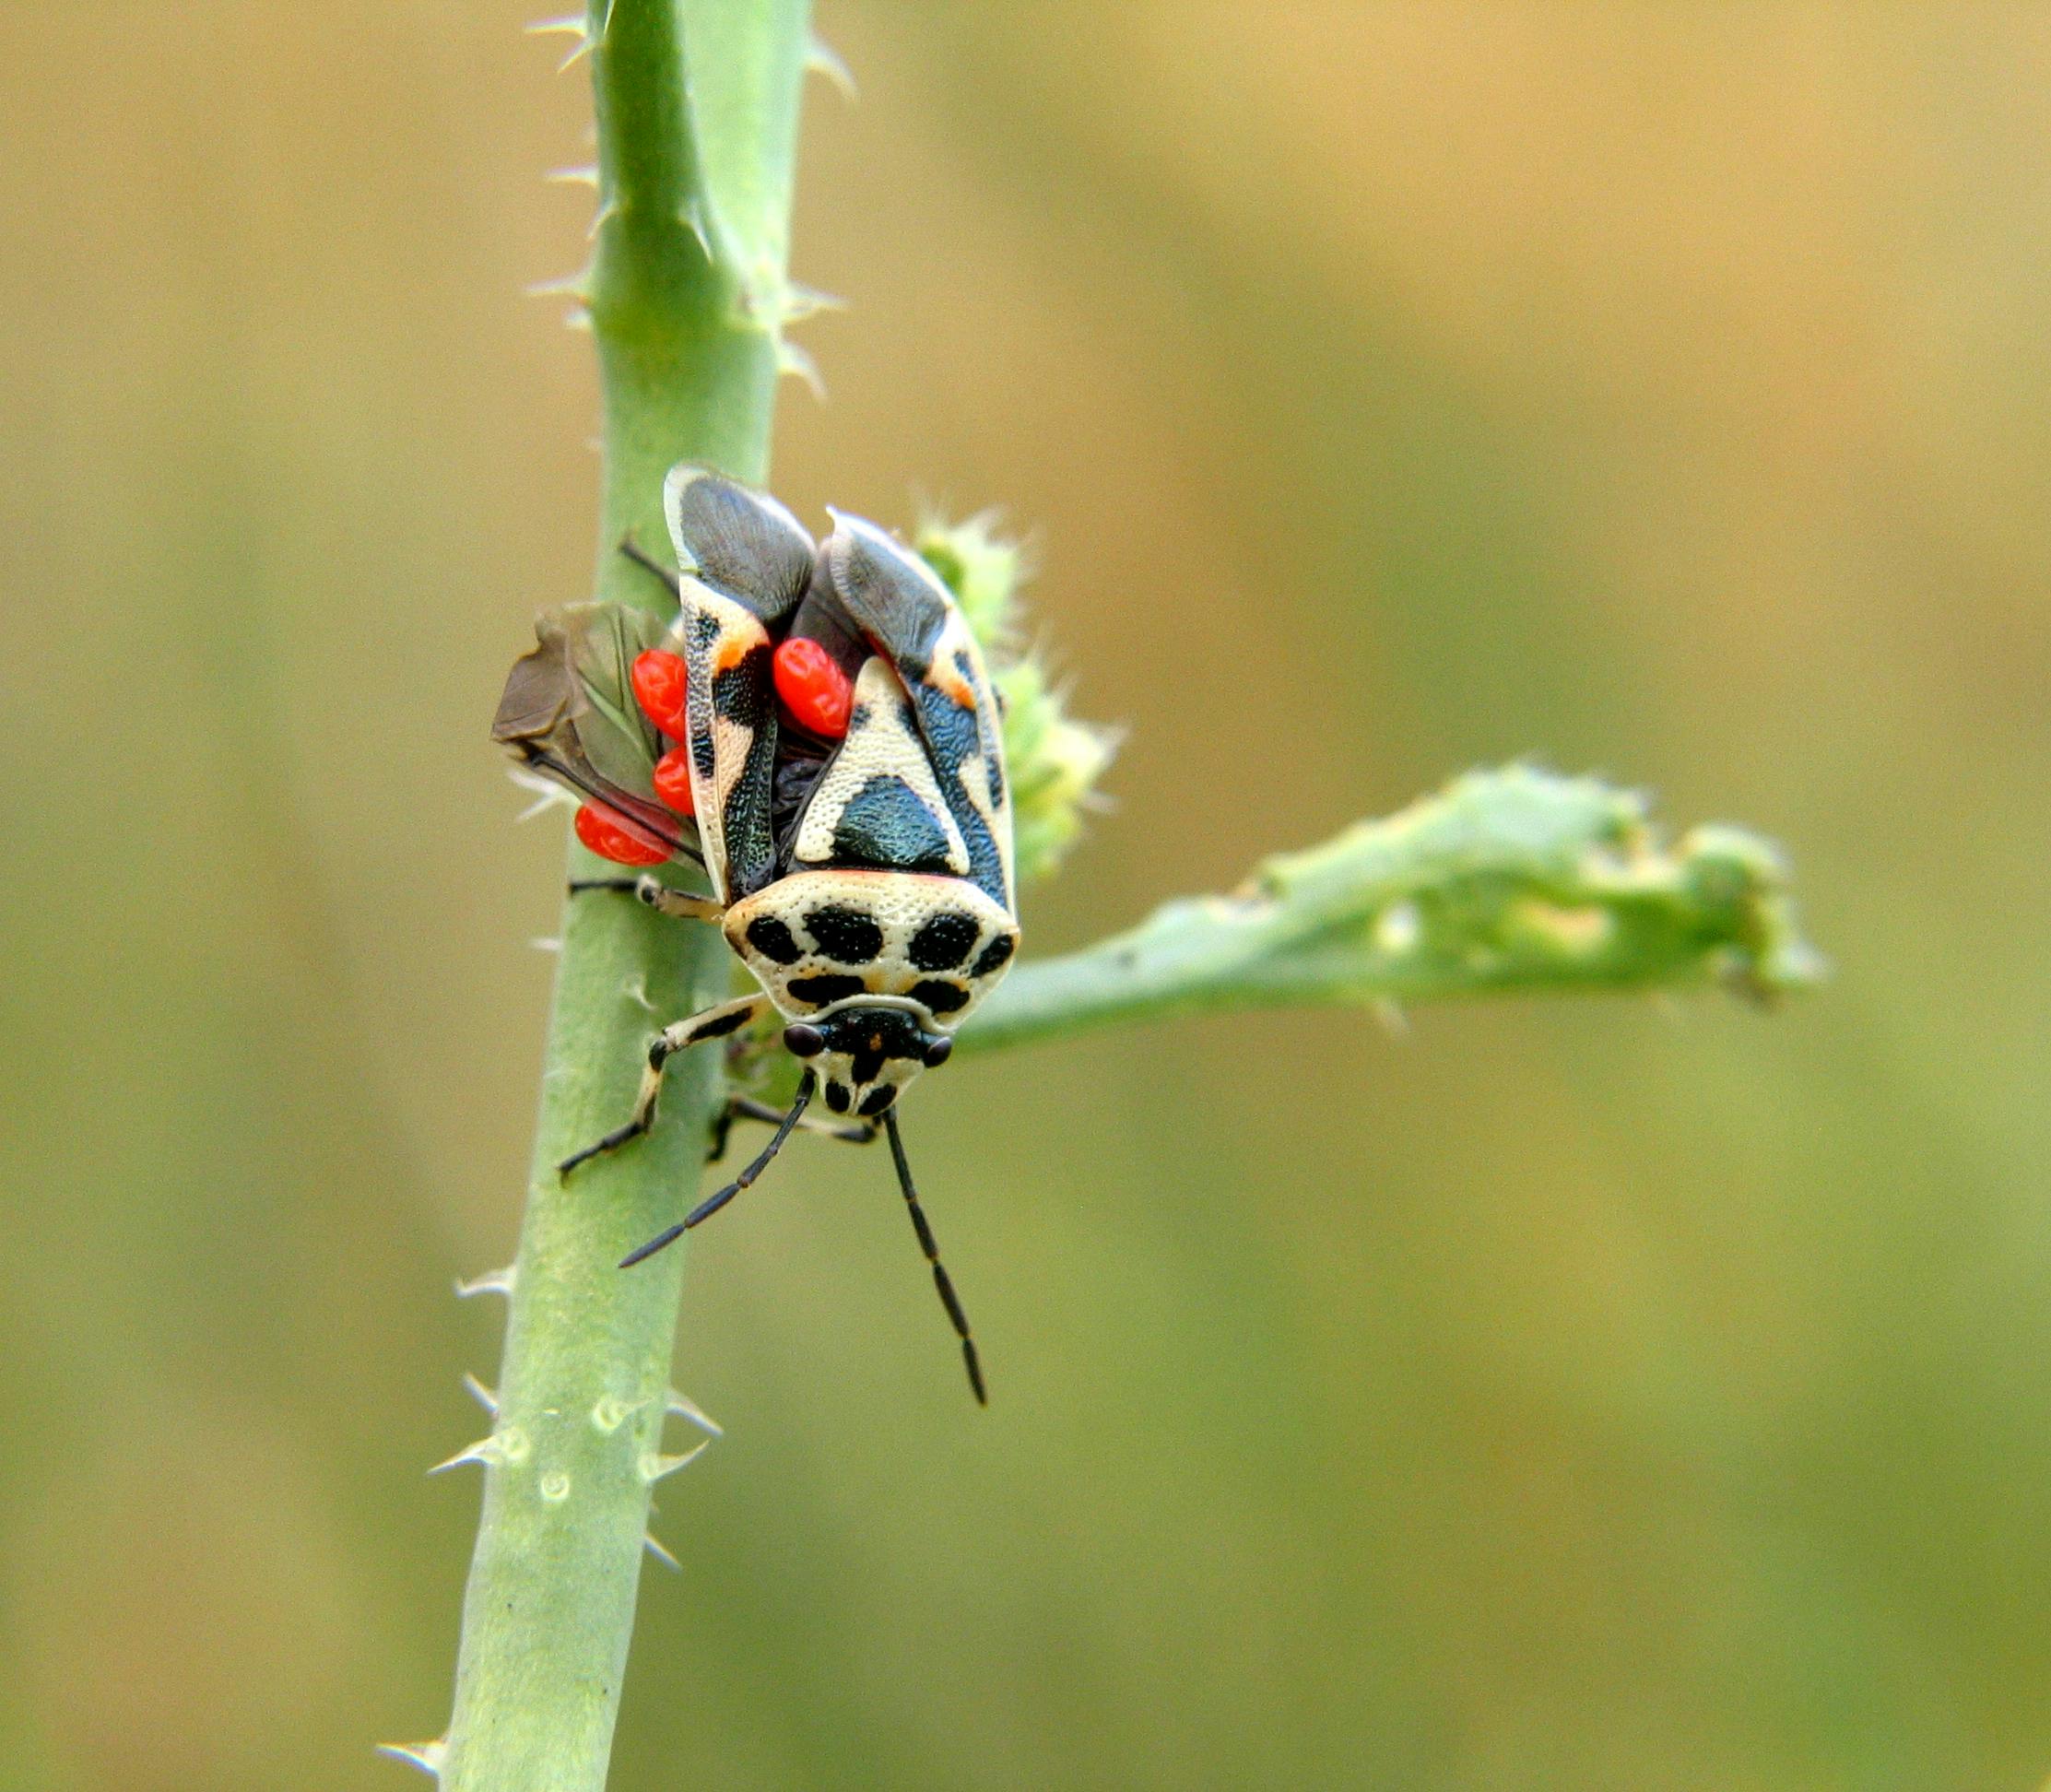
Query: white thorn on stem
[(792, 360), (682, 1407), (487, 1453), (655, 1467), (427, 1756), (821, 58), (493, 1281)]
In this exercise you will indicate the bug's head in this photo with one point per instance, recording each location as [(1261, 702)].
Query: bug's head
[(866, 1053)]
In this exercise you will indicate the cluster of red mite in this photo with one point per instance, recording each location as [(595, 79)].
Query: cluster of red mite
[(815, 693)]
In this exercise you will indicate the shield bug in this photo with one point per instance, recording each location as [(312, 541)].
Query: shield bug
[(816, 728)]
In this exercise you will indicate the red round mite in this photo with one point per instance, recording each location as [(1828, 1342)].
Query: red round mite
[(812, 686), (612, 837), (660, 682), (672, 780)]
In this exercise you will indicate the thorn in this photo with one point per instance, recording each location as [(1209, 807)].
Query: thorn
[(792, 360), (601, 218), (546, 793), (482, 1395), (655, 1467), (681, 1406), (493, 1281), (637, 993), (545, 943), (427, 1756), (569, 286), (487, 1453), (821, 58), (662, 1555), (696, 221), (587, 175), (566, 25), (582, 49), (803, 302)]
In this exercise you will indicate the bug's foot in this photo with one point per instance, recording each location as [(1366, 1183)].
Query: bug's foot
[(618, 1136)]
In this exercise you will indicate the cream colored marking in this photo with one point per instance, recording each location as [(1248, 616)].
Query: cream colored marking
[(883, 746), (899, 902)]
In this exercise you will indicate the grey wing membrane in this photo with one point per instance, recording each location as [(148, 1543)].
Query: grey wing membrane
[(900, 604), (745, 563), (568, 712)]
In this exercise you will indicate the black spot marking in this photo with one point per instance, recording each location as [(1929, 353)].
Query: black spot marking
[(703, 758), (944, 941), (858, 718), (996, 956), (876, 1101), (938, 996), (724, 1025), (832, 987), (772, 939), (844, 935), (868, 1060), (705, 628), (837, 1097), (886, 825), (737, 692)]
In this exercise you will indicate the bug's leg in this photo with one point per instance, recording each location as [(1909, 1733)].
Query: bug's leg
[(786, 1124), (713, 1023), (657, 895), (860, 1132), (949, 1298), (633, 550)]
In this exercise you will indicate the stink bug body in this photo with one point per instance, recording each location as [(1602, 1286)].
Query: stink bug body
[(838, 770)]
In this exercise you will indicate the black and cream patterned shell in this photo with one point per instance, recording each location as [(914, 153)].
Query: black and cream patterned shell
[(819, 939)]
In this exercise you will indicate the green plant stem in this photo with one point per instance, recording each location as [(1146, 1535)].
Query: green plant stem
[(1508, 881), (686, 296)]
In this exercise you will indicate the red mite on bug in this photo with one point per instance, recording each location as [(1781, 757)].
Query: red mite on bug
[(838, 773)]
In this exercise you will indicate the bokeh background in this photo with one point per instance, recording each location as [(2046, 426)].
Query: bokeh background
[(1626, 1393)]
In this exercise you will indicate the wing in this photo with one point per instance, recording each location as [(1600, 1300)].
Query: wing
[(746, 562), (568, 712), (879, 806), (907, 615)]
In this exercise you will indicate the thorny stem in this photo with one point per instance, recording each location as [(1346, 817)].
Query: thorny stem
[(1508, 881), (686, 298)]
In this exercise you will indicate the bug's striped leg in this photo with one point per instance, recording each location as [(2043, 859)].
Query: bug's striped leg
[(657, 895), (713, 1023), (786, 1124), (949, 1298)]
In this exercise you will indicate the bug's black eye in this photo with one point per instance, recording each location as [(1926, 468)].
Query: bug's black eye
[(937, 1051), (801, 1040)]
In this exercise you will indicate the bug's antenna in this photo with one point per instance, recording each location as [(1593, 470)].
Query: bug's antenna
[(633, 550), (949, 1298), (711, 1205)]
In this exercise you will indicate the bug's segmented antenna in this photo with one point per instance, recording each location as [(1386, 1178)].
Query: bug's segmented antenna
[(949, 1298), (711, 1205)]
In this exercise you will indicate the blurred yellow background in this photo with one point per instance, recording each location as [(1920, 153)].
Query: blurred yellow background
[(1614, 1394)]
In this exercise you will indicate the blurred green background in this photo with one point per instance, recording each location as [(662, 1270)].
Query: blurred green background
[(1613, 1393)]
